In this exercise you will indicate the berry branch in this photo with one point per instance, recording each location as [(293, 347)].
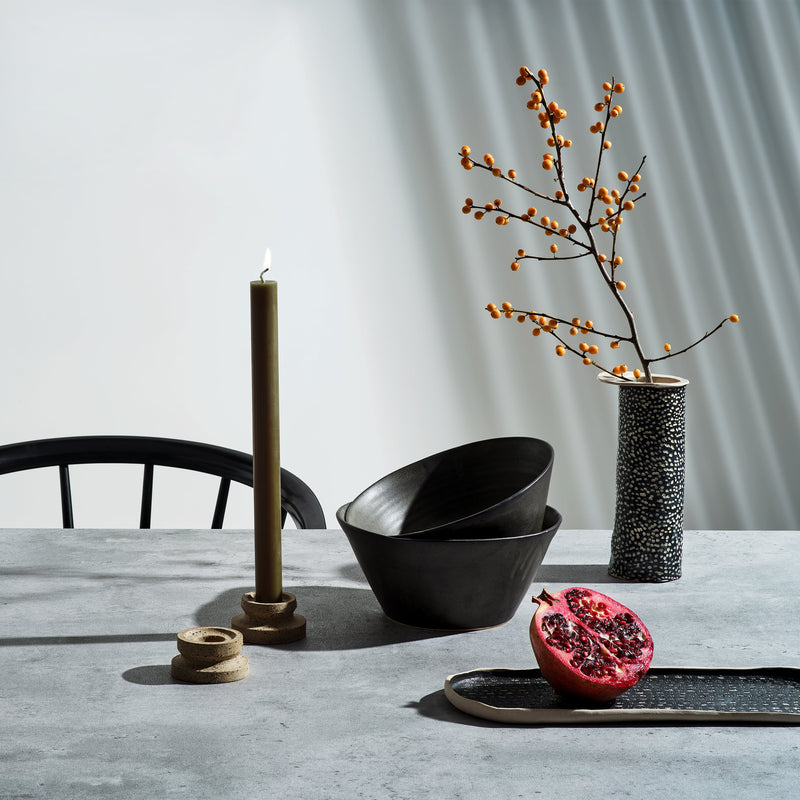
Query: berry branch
[(583, 233)]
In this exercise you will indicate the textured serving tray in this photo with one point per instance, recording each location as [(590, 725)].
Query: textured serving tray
[(682, 694)]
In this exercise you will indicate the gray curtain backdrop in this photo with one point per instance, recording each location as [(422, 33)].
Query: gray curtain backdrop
[(151, 151)]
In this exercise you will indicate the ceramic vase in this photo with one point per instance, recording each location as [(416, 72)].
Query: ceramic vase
[(647, 539)]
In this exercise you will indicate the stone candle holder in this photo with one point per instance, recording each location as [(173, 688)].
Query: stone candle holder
[(210, 655)]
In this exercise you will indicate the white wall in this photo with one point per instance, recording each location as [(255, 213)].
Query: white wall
[(152, 150)]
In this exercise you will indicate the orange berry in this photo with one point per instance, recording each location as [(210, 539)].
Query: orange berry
[(496, 172), (567, 142), (521, 318), (623, 176), (594, 349), (623, 368), (536, 331), (465, 209), (588, 324), (601, 257), (572, 228), (599, 106), (520, 254), (508, 314), (606, 87), (616, 111), (606, 145), (532, 211), (491, 307), (514, 266), (507, 306), (628, 205), (495, 314), (636, 178), (560, 350), (543, 76), (547, 164), (637, 373), (616, 370), (521, 79), (581, 187), (465, 150), (512, 173), (587, 361), (545, 221), (576, 321), (614, 344), (634, 187), (583, 347), (553, 248), (734, 317), (466, 163), (621, 286), (478, 215), (619, 88), (573, 331), (667, 346), (488, 159), (617, 261)]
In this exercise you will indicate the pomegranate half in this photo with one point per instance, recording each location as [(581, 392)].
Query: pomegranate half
[(589, 645)]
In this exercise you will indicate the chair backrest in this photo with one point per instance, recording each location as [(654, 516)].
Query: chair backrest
[(229, 465)]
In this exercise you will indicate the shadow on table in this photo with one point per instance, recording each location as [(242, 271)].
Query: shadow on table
[(575, 574), (338, 618)]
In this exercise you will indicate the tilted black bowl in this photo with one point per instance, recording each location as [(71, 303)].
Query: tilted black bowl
[(492, 488), (453, 584)]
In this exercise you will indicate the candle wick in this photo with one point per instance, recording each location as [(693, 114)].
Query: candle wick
[(266, 269)]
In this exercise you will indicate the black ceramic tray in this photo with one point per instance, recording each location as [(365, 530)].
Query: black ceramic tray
[(681, 694)]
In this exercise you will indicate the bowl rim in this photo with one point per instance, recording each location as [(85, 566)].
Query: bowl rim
[(407, 534), (341, 516)]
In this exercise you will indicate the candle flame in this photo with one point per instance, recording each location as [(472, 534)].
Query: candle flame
[(267, 263)]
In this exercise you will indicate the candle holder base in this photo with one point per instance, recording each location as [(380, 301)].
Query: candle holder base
[(270, 623), (210, 655)]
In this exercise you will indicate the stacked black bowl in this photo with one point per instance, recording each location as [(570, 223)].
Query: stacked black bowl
[(453, 541)]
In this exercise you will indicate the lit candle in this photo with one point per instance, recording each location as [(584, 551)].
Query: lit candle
[(266, 437)]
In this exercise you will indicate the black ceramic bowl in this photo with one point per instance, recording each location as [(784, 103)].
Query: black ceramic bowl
[(454, 584), (486, 489)]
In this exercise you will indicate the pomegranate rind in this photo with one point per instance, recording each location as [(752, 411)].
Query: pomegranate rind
[(617, 629)]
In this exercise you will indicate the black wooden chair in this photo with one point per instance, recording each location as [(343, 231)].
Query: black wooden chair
[(297, 499)]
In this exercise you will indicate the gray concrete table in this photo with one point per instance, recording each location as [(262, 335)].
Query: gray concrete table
[(356, 710)]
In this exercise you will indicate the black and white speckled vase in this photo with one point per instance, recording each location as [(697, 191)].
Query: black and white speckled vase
[(647, 541)]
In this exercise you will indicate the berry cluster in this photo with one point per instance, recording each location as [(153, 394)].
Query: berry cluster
[(602, 214)]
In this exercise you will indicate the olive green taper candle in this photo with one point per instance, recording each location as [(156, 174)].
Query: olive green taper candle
[(266, 440)]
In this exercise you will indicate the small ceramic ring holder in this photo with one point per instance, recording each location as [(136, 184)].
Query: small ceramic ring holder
[(210, 655), (270, 623)]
